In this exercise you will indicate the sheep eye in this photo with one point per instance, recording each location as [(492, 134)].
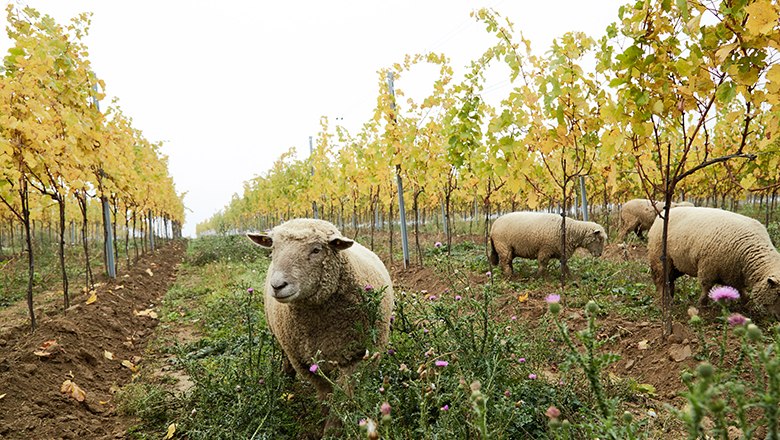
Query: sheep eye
[(316, 250)]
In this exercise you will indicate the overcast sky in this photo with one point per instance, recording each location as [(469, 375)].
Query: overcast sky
[(230, 85)]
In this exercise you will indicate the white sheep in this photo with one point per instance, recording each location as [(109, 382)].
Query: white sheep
[(538, 235), (719, 247), (638, 215), (318, 299)]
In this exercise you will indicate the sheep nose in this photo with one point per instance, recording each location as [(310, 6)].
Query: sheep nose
[(279, 285)]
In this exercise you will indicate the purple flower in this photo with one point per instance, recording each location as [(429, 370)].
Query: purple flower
[(392, 319), (724, 293), (250, 290), (507, 393), (441, 363), (362, 422), (368, 287), (432, 297), (390, 351), (458, 297), (513, 318), (532, 376), (521, 360), (553, 298), (425, 330), (385, 409), (437, 244), (553, 412), (314, 367), (736, 319), (489, 273), (445, 408)]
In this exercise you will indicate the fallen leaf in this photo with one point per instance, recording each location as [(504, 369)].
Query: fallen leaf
[(119, 287), (679, 353), (129, 365), (92, 298), (103, 402), (642, 344), (149, 271), (48, 348), (646, 388), (71, 389), (148, 312), (108, 355), (2, 395), (171, 431), (523, 297)]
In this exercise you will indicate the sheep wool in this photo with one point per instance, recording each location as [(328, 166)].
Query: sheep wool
[(328, 299), (538, 235), (638, 215), (719, 247)]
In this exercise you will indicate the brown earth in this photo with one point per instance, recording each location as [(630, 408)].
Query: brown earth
[(32, 404)]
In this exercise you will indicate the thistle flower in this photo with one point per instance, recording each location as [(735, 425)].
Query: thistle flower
[(458, 297), (437, 244), (250, 290), (445, 407), (553, 298), (553, 412), (441, 363), (314, 367), (385, 409), (736, 319), (368, 287), (532, 376), (723, 293)]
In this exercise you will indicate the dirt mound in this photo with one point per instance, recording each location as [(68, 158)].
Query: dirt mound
[(32, 404)]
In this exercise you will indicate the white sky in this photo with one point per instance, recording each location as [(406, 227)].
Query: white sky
[(230, 85)]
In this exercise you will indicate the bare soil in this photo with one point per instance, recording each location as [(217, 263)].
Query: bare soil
[(32, 404)]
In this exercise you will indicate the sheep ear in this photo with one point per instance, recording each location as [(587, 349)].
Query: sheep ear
[(261, 239), (772, 281), (340, 243)]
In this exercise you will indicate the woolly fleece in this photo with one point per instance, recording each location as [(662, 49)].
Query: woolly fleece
[(719, 247), (538, 235), (638, 215)]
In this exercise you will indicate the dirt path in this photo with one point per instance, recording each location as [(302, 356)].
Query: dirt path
[(32, 404)]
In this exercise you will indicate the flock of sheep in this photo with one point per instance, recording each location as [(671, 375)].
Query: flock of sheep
[(318, 287)]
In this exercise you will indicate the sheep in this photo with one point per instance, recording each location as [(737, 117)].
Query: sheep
[(718, 247), (638, 215), (322, 291), (538, 235)]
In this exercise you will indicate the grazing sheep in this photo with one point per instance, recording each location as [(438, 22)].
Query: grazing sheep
[(327, 299), (538, 235), (719, 247), (638, 215)]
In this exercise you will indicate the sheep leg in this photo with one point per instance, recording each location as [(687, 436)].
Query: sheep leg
[(707, 282), (543, 259), (504, 258)]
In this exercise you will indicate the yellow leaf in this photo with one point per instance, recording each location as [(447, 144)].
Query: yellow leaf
[(129, 365), (48, 348), (523, 297), (171, 431), (72, 390), (108, 355), (119, 287), (148, 312), (2, 395), (773, 76), (724, 51), (149, 271), (92, 298), (762, 17)]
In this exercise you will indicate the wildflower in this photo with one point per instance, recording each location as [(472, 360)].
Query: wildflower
[(513, 318), (489, 273), (441, 363), (368, 287), (314, 367), (521, 360), (458, 297), (723, 293), (437, 244), (362, 422), (553, 412), (445, 407), (390, 351), (507, 393), (553, 298), (392, 319), (250, 290), (381, 390), (432, 298), (385, 410), (737, 319), (532, 376)]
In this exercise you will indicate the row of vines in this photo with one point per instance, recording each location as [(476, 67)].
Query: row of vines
[(65, 164), (680, 99)]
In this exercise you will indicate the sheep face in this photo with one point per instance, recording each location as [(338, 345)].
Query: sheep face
[(594, 242), (299, 266), (767, 294)]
